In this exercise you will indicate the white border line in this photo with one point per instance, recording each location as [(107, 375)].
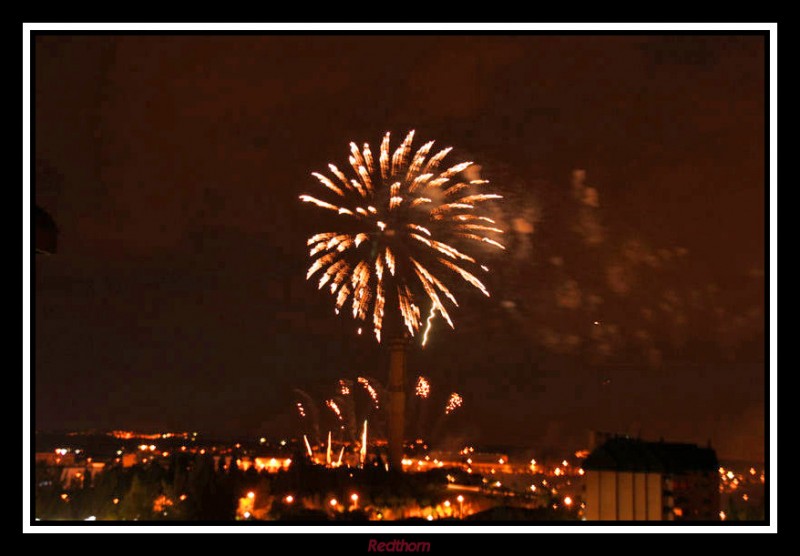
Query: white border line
[(772, 472)]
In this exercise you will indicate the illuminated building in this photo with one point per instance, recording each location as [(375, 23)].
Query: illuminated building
[(60, 456), (630, 479)]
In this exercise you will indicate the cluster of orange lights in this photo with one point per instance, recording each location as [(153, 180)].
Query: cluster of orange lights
[(129, 435), (730, 480), (271, 465), (335, 504)]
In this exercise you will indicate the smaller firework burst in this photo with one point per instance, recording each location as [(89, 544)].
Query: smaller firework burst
[(423, 388), (454, 402), (301, 410), (344, 389)]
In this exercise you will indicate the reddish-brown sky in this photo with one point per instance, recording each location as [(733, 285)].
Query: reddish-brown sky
[(177, 299)]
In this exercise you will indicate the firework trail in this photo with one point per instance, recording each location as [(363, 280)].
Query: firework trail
[(333, 406), (369, 386), (328, 451), (307, 410), (428, 324), (400, 215), (348, 407), (377, 393), (363, 451)]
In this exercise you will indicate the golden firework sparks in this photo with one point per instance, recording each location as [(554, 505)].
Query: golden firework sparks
[(423, 389), (454, 402), (409, 212), (335, 408), (370, 390)]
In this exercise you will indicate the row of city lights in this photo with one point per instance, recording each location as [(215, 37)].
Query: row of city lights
[(334, 502)]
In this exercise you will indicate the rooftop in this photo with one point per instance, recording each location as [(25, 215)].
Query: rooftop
[(630, 454)]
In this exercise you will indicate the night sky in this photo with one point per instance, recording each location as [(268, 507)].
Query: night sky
[(177, 299)]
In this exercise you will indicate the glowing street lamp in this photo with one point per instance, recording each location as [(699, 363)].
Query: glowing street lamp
[(460, 506), (354, 498), (289, 499)]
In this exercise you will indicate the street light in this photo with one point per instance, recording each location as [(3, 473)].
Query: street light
[(460, 506), (354, 498)]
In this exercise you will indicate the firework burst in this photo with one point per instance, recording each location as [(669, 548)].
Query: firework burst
[(423, 388), (454, 402), (401, 214)]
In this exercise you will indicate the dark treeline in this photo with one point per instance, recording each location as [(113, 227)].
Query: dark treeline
[(192, 487)]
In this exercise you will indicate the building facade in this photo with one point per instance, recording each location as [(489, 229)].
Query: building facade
[(633, 480)]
